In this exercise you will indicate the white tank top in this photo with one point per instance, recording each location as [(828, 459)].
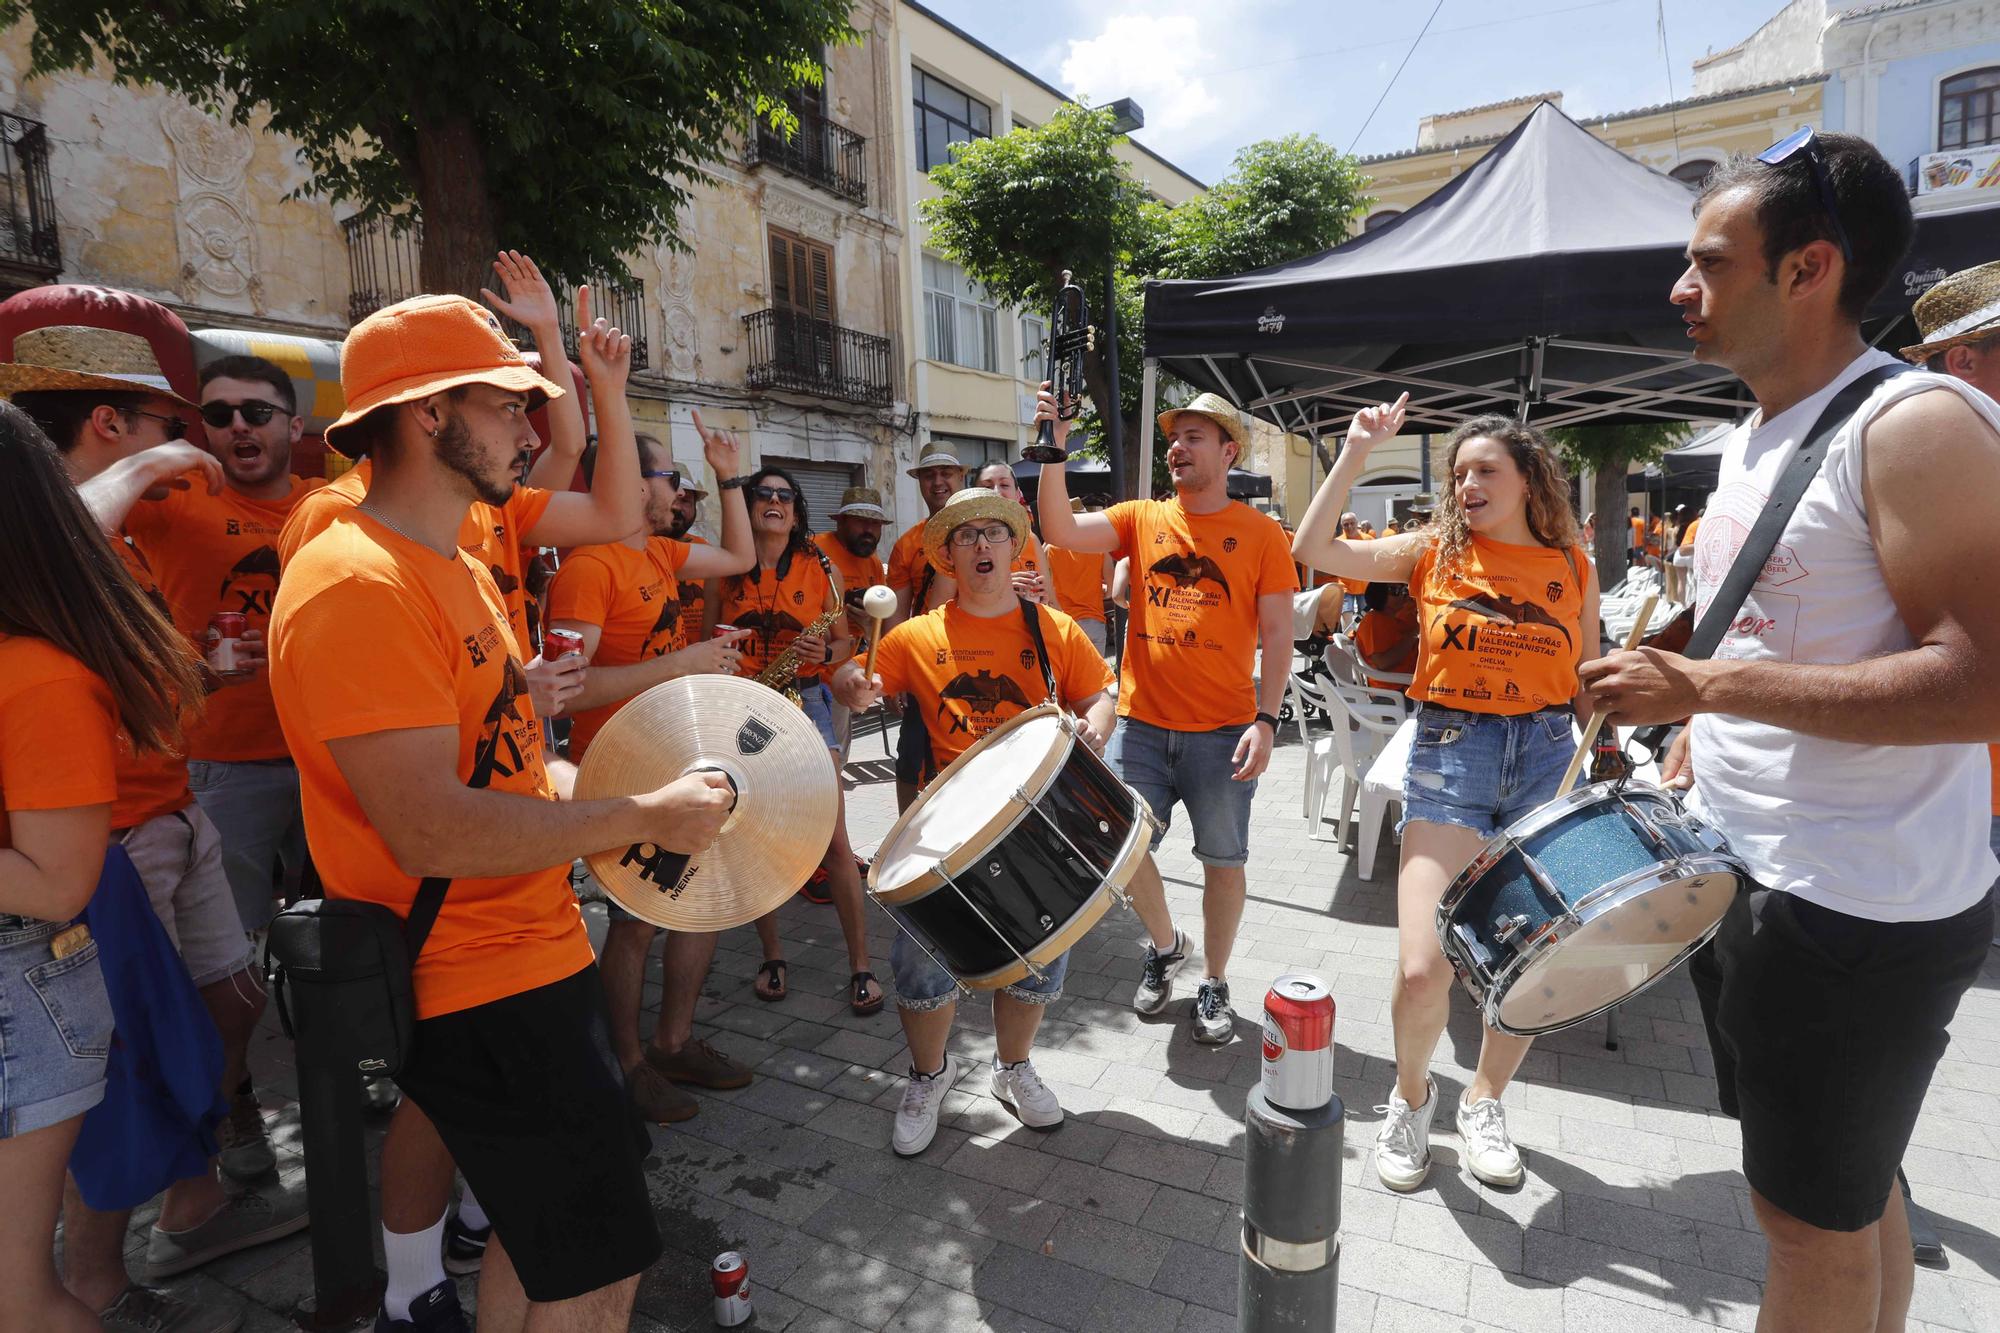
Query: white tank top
[(1884, 832)]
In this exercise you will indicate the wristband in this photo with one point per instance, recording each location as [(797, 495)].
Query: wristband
[(828, 659), (735, 483), (1266, 717)]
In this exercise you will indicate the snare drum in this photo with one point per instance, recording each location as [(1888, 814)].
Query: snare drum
[(1013, 852), (1583, 903)]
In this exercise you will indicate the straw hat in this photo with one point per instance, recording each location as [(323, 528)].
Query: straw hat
[(1217, 409), (1962, 308), (426, 345), (78, 357), (935, 458), (974, 504), (862, 502)]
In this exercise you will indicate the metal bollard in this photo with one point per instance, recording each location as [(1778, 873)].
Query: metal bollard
[(1289, 1273)]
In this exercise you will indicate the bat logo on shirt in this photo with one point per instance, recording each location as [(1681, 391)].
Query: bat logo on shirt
[(503, 715), (1506, 611), (768, 624), (1187, 569), (670, 617), (983, 692), (261, 564)]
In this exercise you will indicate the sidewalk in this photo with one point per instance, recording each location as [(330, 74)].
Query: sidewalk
[(1634, 1217)]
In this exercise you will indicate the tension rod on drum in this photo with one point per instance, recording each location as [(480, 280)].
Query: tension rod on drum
[(921, 945), (1123, 899), (1033, 971)]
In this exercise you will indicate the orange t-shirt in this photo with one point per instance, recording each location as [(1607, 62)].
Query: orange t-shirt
[(1638, 532), (154, 783), (971, 673), (492, 534), (1380, 631), (858, 573), (776, 604), (1687, 534), (1502, 631), (692, 593), (375, 633), (1191, 650), (219, 553), (1077, 579), (58, 731), (910, 567), (634, 600)]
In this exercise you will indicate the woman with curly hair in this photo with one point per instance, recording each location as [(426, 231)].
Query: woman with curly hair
[(1507, 608)]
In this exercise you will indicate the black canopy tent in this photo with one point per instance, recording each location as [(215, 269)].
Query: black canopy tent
[(1092, 477)]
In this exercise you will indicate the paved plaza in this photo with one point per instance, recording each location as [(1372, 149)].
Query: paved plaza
[(1634, 1218)]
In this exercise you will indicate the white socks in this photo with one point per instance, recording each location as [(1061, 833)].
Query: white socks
[(415, 1261), (470, 1214)]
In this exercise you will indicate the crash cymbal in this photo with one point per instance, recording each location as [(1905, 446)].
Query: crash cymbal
[(786, 803)]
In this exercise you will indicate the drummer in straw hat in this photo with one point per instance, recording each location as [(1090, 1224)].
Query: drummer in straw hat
[(972, 665)]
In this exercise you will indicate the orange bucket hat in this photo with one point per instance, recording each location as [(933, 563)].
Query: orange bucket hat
[(423, 346)]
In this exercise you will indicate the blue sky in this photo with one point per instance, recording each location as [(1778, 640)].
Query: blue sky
[(1213, 75)]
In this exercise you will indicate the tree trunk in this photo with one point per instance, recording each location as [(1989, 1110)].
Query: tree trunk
[(461, 235), (1610, 502)]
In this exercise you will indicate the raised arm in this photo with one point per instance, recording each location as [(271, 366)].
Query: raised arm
[(111, 494), (1073, 532), (531, 303), (737, 550), (1318, 542), (615, 507)]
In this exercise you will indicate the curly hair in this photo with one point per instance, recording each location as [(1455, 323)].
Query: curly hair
[(1551, 516), (801, 535)]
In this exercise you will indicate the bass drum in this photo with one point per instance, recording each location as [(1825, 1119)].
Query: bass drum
[(1013, 852)]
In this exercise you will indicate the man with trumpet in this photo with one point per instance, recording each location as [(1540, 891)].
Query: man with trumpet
[(971, 665)]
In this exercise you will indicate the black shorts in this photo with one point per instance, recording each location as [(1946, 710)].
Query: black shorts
[(1826, 1029), (525, 1093), (913, 748)]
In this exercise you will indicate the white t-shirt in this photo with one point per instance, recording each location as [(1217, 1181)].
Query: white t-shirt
[(1883, 832)]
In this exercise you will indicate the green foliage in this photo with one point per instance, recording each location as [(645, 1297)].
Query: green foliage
[(582, 123), (1283, 199), (1602, 447)]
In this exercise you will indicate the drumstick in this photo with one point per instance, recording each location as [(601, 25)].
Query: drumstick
[(1597, 717), (880, 603)]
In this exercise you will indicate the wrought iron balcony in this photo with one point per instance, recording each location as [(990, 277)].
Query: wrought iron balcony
[(29, 246), (624, 307), (831, 156), (790, 350)]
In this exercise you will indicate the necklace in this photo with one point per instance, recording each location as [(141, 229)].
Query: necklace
[(384, 520)]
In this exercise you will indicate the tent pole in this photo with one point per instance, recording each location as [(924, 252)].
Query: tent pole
[(1142, 485)]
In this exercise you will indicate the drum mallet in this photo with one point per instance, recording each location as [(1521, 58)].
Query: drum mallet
[(1597, 717), (880, 603), (1288, 1271)]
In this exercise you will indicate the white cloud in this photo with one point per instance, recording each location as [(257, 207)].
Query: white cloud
[(1154, 59)]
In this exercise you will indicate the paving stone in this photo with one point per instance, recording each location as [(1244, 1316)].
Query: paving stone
[(937, 1309), (1035, 1284), (1104, 1245), (1184, 1215), (1096, 1190), (934, 1250), (1167, 1163), (1017, 1219), (862, 1290), (1007, 1165), (1198, 1275)]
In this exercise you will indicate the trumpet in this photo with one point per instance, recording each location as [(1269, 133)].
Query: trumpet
[(1070, 336)]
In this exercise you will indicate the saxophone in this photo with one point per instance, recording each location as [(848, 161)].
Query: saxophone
[(782, 674)]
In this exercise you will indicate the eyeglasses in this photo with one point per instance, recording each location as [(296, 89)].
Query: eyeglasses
[(782, 494), (1804, 141), (672, 476), (255, 412), (177, 429), (995, 534)]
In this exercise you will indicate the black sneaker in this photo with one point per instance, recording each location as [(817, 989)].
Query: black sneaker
[(464, 1246), (1156, 980), (436, 1311), (1214, 1020)]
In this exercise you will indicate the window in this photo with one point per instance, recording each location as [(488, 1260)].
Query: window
[(945, 116), (975, 451), (1969, 109), (1034, 349), (961, 324), (801, 275), (1377, 219), (1693, 172)]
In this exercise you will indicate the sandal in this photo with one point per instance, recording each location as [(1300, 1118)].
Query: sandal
[(770, 982), (861, 1004)]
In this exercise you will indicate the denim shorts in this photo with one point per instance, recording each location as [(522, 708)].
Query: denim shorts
[(1191, 767), (921, 985), (1483, 771), (179, 860), (817, 700), (254, 806), (55, 1028)]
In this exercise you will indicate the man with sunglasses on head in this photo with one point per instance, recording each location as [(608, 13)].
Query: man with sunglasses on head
[(1835, 740)]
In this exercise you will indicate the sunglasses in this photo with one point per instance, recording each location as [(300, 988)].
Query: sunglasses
[(1804, 141), (672, 476), (177, 429), (782, 494), (255, 412), (994, 534)]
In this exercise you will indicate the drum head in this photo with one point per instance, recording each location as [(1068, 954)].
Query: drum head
[(1613, 953), (973, 793)]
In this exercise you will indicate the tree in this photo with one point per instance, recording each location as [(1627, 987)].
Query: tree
[(570, 131), (1016, 211), (1610, 451)]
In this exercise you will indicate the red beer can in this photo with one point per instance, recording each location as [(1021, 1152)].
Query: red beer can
[(721, 630), (1298, 1042), (225, 628), (560, 643), (730, 1275)]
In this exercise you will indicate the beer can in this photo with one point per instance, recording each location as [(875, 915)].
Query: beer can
[(560, 643), (224, 629), (721, 630), (730, 1274), (1298, 1042)]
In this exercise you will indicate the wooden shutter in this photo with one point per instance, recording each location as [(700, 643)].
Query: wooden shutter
[(801, 276)]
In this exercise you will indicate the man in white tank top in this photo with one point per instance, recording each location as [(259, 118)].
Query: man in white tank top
[(1836, 732)]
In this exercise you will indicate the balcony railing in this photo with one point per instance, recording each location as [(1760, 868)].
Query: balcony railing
[(28, 240), (831, 156), (382, 269), (793, 351)]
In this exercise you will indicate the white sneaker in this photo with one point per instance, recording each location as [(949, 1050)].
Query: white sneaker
[(1156, 976), (1489, 1153), (1021, 1090), (1403, 1145), (917, 1117)]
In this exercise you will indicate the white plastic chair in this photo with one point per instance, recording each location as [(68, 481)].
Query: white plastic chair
[(1359, 672), (1309, 690), (1382, 788), (1366, 720)]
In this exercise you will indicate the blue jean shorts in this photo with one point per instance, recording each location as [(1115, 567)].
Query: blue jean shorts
[(818, 703), (1191, 767), (55, 1028), (1483, 771), (921, 985)]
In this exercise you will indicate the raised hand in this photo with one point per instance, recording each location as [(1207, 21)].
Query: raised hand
[(604, 350), (1372, 425), (720, 447), (1045, 410), (530, 301)]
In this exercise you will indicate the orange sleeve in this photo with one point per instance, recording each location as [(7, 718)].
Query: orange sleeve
[(1125, 521), (677, 553), (1275, 571), (901, 574), (1080, 670), (583, 591), (525, 508), (58, 745), (394, 673), (892, 660)]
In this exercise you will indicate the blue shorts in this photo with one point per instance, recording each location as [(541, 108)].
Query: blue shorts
[(55, 1028), (818, 703), (921, 985), (1191, 767), (1483, 771)]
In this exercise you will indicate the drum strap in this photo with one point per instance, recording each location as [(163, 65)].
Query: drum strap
[(1757, 547), (1032, 614)]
